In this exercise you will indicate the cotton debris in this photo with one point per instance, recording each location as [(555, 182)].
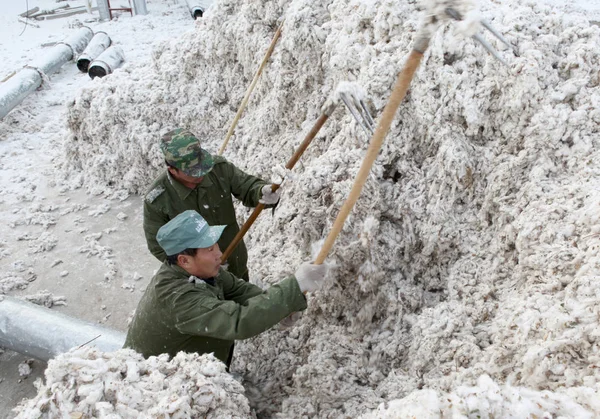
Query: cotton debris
[(123, 384), (484, 257)]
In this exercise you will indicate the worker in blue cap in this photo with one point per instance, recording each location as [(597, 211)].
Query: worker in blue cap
[(193, 305)]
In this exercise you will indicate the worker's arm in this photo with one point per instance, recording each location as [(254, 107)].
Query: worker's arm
[(203, 315), (236, 289), (245, 187), (153, 220)]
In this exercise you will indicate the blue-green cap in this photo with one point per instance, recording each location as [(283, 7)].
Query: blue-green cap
[(187, 231)]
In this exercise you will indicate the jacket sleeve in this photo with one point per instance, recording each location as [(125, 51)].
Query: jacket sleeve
[(153, 220), (237, 290), (201, 315), (245, 187)]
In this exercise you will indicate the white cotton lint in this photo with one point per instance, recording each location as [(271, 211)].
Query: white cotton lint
[(485, 258), (92, 383)]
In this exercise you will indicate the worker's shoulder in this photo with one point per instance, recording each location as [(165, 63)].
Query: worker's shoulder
[(169, 281), (223, 167), (220, 160), (157, 188)]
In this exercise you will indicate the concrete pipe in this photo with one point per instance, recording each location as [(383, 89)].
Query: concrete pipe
[(18, 87), (139, 7), (36, 331), (97, 45), (198, 7), (107, 62), (103, 9)]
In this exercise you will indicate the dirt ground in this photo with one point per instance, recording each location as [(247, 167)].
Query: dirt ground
[(88, 294)]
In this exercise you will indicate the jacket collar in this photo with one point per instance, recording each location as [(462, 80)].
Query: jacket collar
[(196, 280), (191, 278), (183, 192), (178, 269)]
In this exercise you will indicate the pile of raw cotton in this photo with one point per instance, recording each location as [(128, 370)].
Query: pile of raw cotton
[(87, 383), (485, 400), (474, 248)]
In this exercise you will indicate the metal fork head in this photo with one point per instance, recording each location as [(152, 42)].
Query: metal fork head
[(359, 111), (455, 14)]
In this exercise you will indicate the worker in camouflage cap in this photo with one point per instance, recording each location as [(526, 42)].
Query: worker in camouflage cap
[(193, 305), (182, 150), (196, 180)]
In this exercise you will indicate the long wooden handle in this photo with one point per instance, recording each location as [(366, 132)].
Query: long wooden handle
[(250, 89), (398, 94), (290, 165), (240, 235)]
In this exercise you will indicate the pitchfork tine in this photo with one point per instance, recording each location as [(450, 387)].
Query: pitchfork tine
[(490, 49), (498, 35), (356, 112), (368, 118), (454, 14)]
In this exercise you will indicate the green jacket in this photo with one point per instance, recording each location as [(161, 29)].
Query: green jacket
[(211, 198), (175, 314)]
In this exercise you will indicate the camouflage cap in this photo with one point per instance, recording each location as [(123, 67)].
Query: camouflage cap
[(182, 150), (187, 231)]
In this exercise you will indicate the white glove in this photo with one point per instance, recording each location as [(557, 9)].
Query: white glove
[(267, 196), (310, 277)]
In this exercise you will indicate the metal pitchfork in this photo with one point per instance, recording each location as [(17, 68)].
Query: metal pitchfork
[(401, 87), (359, 111), (455, 14), (353, 99)]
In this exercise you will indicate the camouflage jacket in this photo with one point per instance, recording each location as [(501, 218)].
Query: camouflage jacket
[(211, 198), (176, 314)]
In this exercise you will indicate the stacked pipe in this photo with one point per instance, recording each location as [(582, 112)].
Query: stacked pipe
[(28, 79), (106, 62), (100, 42), (100, 58)]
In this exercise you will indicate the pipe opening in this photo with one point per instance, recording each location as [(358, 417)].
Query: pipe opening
[(83, 64), (197, 12), (97, 71)]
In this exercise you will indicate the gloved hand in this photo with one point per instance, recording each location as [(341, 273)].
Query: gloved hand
[(268, 197), (310, 277)]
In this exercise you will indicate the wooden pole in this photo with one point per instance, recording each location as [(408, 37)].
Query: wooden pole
[(398, 94), (250, 89), (290, 165)]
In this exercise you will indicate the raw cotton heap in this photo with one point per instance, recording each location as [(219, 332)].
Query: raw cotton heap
[(484, 400), (123, 384), (473, 249)]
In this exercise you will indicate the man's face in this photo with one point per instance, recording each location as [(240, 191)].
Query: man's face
[(186, 180), (205, 264)]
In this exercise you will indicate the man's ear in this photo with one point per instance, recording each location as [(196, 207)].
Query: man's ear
[(172, 171), (183, 260)]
